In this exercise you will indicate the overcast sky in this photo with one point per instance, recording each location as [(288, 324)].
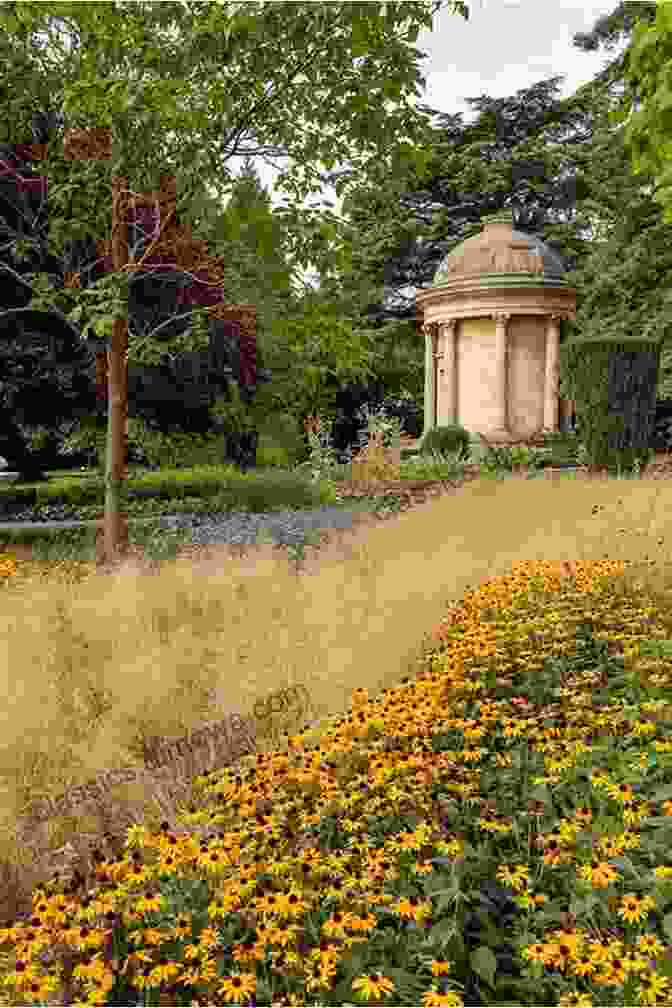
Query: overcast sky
[(504, 46)]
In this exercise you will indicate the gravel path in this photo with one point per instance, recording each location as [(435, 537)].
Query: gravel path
[(285, 528)]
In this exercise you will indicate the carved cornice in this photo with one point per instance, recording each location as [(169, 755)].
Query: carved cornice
[(471, 302)]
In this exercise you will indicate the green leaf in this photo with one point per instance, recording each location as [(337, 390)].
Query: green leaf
[(441, 932), (582, 905), (626, 866), (484, 963), (664, 17), (667, 925), (103, 326), (446, 896), (664, 966)]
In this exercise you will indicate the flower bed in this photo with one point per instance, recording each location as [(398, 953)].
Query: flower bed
[(490, 831)]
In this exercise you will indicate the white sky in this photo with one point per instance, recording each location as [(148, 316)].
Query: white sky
[(504, 46)]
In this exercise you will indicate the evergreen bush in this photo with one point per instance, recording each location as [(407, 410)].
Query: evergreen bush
[(446, 440)]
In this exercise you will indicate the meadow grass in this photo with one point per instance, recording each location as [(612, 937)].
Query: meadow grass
[(478, 812)]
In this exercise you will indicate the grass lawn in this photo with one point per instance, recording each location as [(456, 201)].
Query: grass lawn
[(453, 780)]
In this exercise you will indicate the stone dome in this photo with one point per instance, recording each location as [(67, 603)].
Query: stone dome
[(500, 251)]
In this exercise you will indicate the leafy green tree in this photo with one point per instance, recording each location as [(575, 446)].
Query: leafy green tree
[(250, 233), (622, 283), (184, 103), (250, 238), (645, 105)]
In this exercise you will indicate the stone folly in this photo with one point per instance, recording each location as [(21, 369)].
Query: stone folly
[(492, 325)]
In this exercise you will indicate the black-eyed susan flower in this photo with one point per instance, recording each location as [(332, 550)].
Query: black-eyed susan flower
[(449, 999), (515, 876), (599, 873), (650, 946), (635, 908), (372, 987), (239, 988)]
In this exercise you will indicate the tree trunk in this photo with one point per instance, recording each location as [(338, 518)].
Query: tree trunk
[(115, 539)]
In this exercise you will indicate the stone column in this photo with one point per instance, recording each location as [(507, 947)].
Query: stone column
[(446, 392), (500, 429), (430, 385), (552, 375)]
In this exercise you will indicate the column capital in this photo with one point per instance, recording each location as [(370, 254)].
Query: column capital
[(449, 323), (501, 318), (556, 316)]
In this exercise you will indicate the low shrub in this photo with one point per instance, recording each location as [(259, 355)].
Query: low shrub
[(446, 439)]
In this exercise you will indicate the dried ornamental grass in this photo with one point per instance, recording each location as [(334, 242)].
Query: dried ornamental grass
[(100, 811), (500, 760), (375, 462)]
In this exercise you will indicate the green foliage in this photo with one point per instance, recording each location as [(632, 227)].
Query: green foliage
[(280, 444), (233, 413), (320, 343), (175, 449), (446, 439), (625, 294), (179, 98), (614, 386), (432, 467), (561, 446), (272, 455), (647, 127), (251, 238), (159, 449), (280, 438)]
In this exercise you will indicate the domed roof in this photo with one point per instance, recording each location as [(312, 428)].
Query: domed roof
[(500, 250)]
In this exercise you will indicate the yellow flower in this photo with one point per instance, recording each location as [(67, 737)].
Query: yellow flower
[(651, 987), (583, 966), (535, 952), (516, 877), (575, 1000), (620, 792), (238, 988), (635, 908), (373, 987), (599, 873), (649, 945)]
